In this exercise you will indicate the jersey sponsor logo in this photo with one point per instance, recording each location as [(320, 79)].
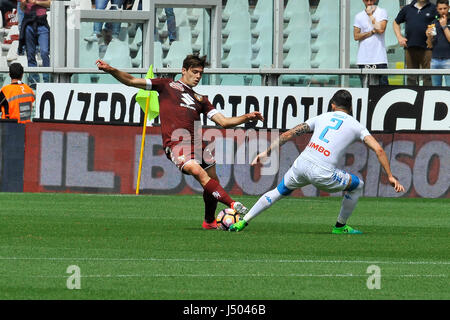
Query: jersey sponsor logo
[(319, 148), (177, 86), (188, 101)]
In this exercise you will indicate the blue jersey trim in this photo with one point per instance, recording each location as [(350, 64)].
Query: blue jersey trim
[(283, 189), (355, 182)]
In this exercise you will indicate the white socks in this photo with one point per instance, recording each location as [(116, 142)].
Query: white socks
[(269, 198), (349, 203), (263, 203)]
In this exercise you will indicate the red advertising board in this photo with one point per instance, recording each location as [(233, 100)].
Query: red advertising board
[(61, 157)]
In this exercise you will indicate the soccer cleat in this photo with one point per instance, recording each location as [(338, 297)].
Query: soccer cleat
[(239, 208), (238, 226), (345, 230), (209, 225)]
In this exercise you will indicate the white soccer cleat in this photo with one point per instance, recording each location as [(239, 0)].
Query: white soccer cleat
[(239, 208)]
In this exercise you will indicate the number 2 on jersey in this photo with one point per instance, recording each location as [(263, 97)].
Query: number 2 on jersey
[(336, 127)]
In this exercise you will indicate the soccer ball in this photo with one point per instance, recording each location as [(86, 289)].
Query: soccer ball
[(226, 218)]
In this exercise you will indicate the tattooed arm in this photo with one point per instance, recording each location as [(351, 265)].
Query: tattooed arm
[(284, 137)]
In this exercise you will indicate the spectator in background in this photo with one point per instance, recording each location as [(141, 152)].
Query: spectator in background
[(111, 29), (16, 99), (368, 30), (171, 24), (438, 38), (5, 6), (35, 31), (416, 16), (171, 21)]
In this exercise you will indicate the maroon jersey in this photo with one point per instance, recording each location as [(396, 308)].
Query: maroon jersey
[(179, 108)]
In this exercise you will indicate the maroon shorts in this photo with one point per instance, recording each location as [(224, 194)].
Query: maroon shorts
[(180, 154)]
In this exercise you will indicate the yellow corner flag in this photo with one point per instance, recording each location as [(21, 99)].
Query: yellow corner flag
[(151, 97), (148, 100)]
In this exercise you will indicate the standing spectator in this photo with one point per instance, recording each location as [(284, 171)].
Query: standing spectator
[(417, 16), (5, 6), (368, 30), (35, 31), (16, 99), (171, 23), (20, 15), (110, 28), (438, 38)]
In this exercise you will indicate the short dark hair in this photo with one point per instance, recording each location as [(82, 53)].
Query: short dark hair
[(194, 61), (441, 2), (342, 99), (15, 70)]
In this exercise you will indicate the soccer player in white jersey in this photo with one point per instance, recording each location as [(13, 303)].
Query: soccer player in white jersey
[(333, 132)]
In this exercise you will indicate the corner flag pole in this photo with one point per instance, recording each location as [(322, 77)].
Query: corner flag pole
[(147, 103), (151, 111)]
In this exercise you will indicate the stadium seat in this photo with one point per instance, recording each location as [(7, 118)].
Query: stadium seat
[(3, 62), (114, 54), (197, 31), (135, 43), (328, 55), (240, 21), (263, 27), (234, 7), (89, 53), (158, 55), (232, 80), (263, 58), (185, 35), (177, 52), (237, 31), (300, 35), (296, 9), (263, 44), (12, 52), (262, 8), (326, 10), (13, 31), (301, 23), (326, 58), (298, 57), (194, 15), (181, 17), (327, 36), (239, 56), (23, 60), (199, 45), (197, 23)]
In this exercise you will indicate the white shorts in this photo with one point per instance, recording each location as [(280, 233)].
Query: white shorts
[(304, 172)]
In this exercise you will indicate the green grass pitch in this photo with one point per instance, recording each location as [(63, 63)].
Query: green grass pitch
[(153, 247)]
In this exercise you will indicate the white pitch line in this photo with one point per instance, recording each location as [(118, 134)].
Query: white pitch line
[(307, 275), (227, 260)]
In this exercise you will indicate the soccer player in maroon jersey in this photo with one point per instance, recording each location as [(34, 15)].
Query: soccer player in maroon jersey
[(179, 110)]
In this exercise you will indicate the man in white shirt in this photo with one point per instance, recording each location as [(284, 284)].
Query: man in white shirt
[(333, 132), (368, 30)]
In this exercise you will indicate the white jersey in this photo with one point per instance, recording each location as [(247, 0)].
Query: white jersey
[(371, 50), (333, 133)]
